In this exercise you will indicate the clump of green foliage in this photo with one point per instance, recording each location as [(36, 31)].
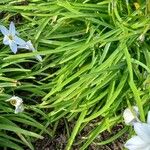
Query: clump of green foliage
[(96, 62)]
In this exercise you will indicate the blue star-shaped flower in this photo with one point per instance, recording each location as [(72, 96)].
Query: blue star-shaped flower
[(11, 38)]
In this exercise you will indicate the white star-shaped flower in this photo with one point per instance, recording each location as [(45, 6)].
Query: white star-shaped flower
[(142, 140), (17, 102)]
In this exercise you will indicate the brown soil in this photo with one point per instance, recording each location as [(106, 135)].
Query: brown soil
[(59, 141)]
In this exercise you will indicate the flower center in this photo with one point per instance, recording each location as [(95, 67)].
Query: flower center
[(10, 37), (13, 102)]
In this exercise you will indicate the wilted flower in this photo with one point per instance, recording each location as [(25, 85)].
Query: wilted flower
[(137, 5), (54, 18), (142, 140), (28, 45), (141, 38), (10, 37), (17, 102), (129, 116)]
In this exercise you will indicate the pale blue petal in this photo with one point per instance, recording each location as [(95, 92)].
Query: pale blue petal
[(17, 33), (25, 46), (19, 41), (12, 29), (6, 40), (148, 118), (22, 46), (30, 46), (136, 143), (143, 131), (13, 47), (4, 30), (39, 58), (147, 147)]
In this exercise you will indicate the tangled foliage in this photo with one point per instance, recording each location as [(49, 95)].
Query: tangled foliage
[(96, 62)]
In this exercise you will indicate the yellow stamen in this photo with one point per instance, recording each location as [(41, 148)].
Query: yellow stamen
[(10, 37), (13, 102)]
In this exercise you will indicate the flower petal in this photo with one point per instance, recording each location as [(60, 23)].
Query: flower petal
[(19, 41), (22, 46), (19, 108), (17, 33), (13, 47), (12, 29), (148, 118), (143, 131), (6, 40), (136, 143), (38, 57), (18, 101), (130, 117), (4, 30), (30, 45)]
